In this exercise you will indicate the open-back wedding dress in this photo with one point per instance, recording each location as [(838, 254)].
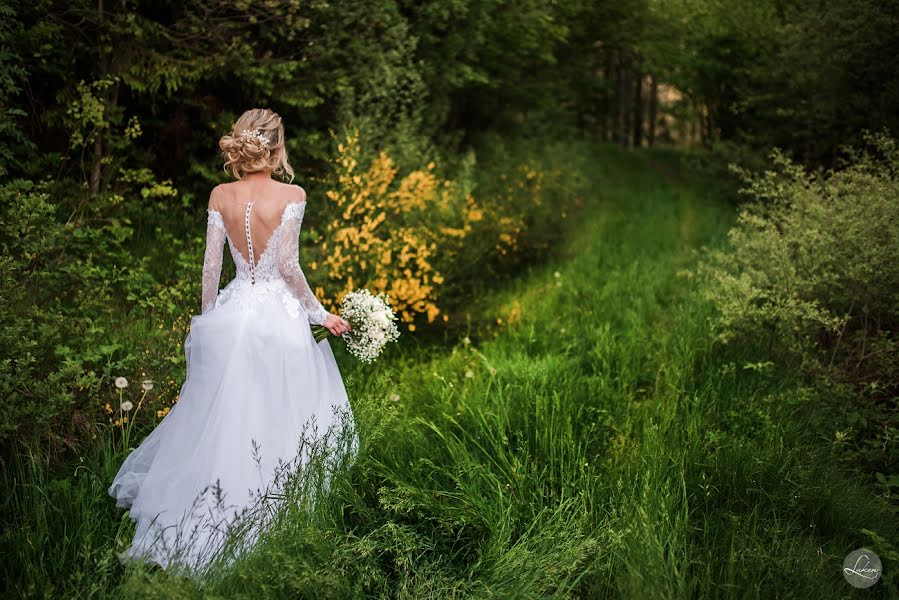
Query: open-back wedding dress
[(256, 381)]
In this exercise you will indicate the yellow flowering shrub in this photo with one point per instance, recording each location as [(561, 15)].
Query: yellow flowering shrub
[(384, 230), (423, 239)]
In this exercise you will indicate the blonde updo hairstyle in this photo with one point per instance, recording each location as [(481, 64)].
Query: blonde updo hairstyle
[(247, 154)]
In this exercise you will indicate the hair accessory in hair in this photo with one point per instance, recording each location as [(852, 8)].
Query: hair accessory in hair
[(254, 133)]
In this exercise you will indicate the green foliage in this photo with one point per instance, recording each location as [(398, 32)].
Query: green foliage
[(800, 75), (70, 277), (60, 530), (41, 373), (599, 445), (528, 195), (12, 74), (812, 272)]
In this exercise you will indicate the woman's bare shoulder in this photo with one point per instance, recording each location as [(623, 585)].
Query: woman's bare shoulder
[(218, 194), (294, 193)]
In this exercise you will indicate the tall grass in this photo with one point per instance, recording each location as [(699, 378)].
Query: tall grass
[(585, 439)]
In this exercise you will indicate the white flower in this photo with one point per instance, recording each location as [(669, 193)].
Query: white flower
[(380, 317), (147, 385), (372, 322), (469, 374), (557, 274), (127, 405), (121, 383), (466, 340), (395, 397)]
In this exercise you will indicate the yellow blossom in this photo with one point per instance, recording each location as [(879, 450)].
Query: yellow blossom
[(384, 228)]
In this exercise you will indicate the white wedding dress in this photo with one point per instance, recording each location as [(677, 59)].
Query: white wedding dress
[(257, 382)]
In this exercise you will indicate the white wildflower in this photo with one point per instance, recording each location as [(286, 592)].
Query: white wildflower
[(147, 385), (127, 405), (469, 374), (121, 383), (395, 397)]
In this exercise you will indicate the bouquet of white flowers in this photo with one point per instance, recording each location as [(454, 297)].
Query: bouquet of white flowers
[(372, 324)]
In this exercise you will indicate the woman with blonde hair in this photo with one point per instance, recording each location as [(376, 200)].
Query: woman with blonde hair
[(256, 379)]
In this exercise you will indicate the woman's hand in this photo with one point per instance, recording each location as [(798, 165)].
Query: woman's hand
[(336, 325)]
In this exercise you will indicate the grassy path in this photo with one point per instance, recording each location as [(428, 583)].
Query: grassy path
[(596, 446), (585, 440), (600, 446)]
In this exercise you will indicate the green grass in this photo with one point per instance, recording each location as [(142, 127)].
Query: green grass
[(597, 446)]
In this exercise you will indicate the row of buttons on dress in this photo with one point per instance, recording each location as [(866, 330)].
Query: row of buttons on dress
[(250, 245)]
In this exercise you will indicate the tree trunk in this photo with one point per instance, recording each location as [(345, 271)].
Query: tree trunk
[(653, 109), (608, 115), (623, 96), (691, 132), (97, 166), (638, 109)]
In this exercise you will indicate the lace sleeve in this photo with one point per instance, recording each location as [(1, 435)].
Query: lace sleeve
[(212, 260), (289, 264)]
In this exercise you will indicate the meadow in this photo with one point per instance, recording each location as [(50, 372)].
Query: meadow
[(581, 436), (643, 257)]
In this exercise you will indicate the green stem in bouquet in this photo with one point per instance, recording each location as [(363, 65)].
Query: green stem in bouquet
[(319, 333)]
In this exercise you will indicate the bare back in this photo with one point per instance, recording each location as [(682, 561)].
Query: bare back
[(252, 210), (261, 221)]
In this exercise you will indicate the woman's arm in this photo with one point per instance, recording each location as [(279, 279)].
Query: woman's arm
[(289, 264), (212, 259)]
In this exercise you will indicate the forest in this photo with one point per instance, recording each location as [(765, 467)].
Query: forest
[(644, 256)]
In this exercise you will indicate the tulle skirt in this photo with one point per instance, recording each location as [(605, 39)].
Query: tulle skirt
[(258, 388)]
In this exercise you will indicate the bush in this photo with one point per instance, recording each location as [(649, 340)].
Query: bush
[(69, 275), (425, 238), (812, 274)]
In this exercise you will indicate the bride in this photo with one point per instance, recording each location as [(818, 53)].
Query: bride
[(256, 378)]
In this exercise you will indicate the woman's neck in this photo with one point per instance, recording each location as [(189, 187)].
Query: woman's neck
[(257, 176)]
